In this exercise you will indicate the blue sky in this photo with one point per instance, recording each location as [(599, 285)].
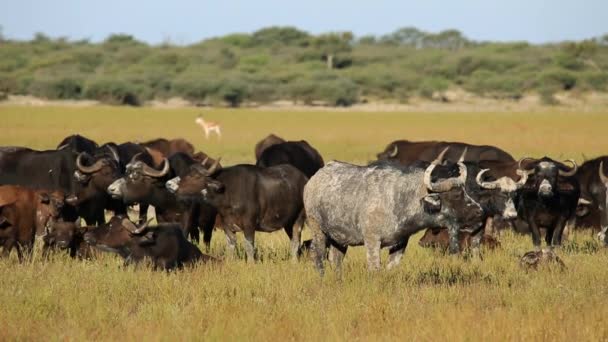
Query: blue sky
[(188, 21)]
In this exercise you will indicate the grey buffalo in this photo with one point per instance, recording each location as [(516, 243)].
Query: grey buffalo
[(382, 205)]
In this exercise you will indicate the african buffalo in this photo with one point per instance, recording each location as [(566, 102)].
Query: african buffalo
[(164, 245), (297, 153), (549, 198), (78, 143), (382, 206), (25, 213), (439, 238), (407, 152), (593, 181), (249, 198), (265, 143), (169, 147), (146, 185), (68, 236)]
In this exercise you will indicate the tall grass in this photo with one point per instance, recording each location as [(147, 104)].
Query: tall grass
[(430, 296)]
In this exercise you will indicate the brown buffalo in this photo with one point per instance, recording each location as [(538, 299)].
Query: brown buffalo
[(68, 236), (165, 245), (406, 152), (25, 213), (169, 147), (266, 143), (439, 238)]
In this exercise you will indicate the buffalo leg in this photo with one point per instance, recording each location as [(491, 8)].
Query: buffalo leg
[(454, 245), (395, 254), (559, 231), (319, 244), (230, 242), (336, 255), (372, 244), (476, 241), (143, 212), (535, 234), (250, 244)]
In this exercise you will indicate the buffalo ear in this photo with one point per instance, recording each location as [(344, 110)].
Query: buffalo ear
[(44, 198), (217, 187), (565, 187)]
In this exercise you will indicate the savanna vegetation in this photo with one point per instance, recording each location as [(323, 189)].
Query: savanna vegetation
[(285, 63), (430, 296)]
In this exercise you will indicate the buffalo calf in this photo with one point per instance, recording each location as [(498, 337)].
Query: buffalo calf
[(165, 245)]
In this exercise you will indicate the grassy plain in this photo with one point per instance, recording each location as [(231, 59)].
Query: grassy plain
[(429, 297)]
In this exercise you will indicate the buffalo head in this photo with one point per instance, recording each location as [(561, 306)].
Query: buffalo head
[(94, 175), (48, 209), (451, 192), (117, 235), (198, 181), (546, 174), (139, 181)]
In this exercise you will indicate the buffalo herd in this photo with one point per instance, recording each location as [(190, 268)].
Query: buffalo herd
[(461, 194)]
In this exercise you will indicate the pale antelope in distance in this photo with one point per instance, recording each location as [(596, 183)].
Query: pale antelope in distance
[(208, 127)]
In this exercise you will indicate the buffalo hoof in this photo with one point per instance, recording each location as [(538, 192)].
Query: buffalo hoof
[(534, 259)]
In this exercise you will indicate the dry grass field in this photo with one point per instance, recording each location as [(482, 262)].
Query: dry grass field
[(430, 296)]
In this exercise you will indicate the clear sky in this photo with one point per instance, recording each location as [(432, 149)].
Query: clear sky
[(188, 21)]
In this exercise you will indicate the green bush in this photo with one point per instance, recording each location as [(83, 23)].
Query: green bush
[(117, 92), (339, 92), (557, 78), (233, 92), (61, 88), (430, 86), (596, 80), (487, 83)]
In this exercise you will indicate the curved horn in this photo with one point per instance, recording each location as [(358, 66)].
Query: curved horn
[(461, 160), (156, 173), (394, 152), (214, 168), (439, 158), (521, 161), (132, 228), (446, 184), (133, 159), (486, 185), (572, 171), (114, 153), (523, 177), (204, 162), (603, 177), (88, 169)]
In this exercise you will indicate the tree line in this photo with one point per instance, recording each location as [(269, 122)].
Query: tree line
[(285, 63)]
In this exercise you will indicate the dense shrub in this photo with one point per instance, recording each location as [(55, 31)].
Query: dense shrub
[(61, 88), (233, 92), (596, 80), (487, 83), (339, 92), (113, 92), (286, 63), (557, 78)]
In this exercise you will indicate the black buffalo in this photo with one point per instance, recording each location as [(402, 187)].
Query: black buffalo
[(297, 153), (549, 198), (591, 210), (265, 143), (145, 184), (78, 143), (249, 198)]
